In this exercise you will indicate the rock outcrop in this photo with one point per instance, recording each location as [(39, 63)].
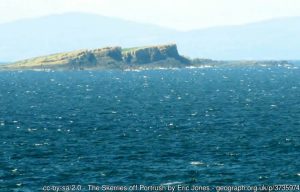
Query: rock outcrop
[(146, 55), (109, 57)]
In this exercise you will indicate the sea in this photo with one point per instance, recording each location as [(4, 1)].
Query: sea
[(205, 129)]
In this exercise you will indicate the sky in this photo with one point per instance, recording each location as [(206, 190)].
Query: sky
[(176, 14)]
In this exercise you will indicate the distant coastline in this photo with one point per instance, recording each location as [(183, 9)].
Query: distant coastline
[(137, 58)]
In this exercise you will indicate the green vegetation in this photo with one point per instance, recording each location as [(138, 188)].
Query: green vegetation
[(132, 49), (124, 50)]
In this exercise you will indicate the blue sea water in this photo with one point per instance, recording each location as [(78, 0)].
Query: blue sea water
[(211, 127)]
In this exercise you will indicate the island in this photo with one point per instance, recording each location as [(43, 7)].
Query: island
[(148, 57)]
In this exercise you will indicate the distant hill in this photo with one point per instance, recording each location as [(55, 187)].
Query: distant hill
[(274, 39), (60, 33)]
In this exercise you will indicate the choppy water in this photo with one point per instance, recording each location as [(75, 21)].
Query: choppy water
[(216, 126)]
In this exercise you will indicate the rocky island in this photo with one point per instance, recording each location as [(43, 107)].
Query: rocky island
[(149, 57), (107, 58)]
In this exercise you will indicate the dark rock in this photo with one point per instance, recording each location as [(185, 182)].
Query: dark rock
[(84, 59), (112, 52), (146, 55)]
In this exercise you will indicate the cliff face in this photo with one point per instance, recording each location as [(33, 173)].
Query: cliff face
[(108, 52), (147, 55), (109, 57)]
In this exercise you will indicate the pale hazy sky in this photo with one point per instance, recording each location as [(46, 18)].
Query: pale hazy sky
[(178, 14)]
